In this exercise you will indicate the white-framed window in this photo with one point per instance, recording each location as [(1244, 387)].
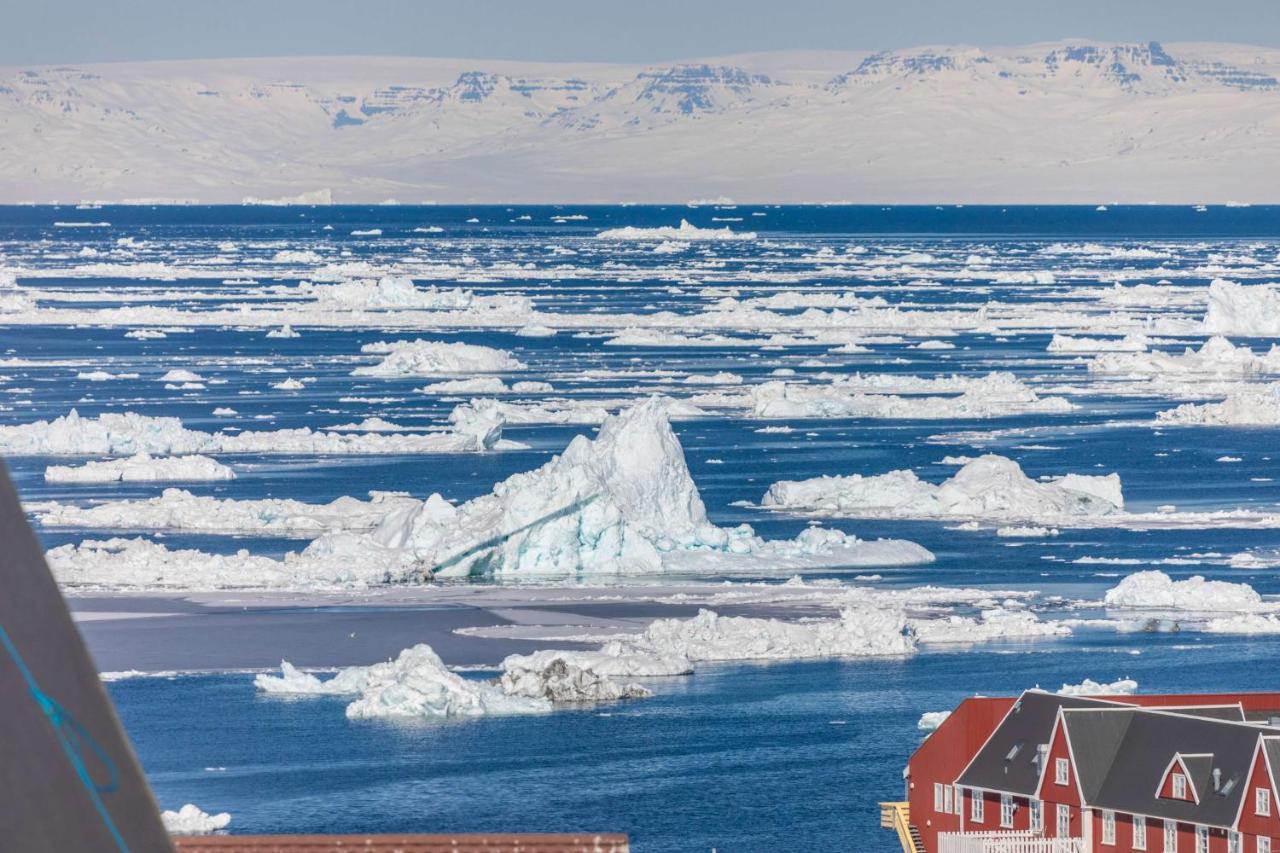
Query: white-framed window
[(1202, 839), (1170, 836), (1037, 816), (1264, 844), (1179, 787), (1261, 801), (957, 799), (976, 807), (1235, 844), (1006, 811), (1139, 832), (1063, 826), (1108, 827), (937, 796), (1060, 766), (948, 800)]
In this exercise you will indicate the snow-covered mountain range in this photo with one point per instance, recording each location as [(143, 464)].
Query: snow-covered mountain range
[(1063, 122)]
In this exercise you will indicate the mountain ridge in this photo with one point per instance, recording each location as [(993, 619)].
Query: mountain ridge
[(1068, 121)]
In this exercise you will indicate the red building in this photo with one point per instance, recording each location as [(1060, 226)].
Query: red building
[(1044, 773)]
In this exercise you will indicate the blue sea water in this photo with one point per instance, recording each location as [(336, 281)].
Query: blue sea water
[(785, 756)]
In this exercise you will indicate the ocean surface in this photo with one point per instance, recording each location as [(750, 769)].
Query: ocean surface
[(736, 757)]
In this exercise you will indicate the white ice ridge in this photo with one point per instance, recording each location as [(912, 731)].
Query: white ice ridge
[(995, 395), (1258, 405), (177, 509), (415, 684), (996, 623), (1134, 342), (1217, 357), (435, 358), (862, 630), (387, 293), (1156, 590), (623, 503), (685, 232), (141, 467), (129, 433), (1236, 309), (989, 487), (190, 820), (1089, 687)]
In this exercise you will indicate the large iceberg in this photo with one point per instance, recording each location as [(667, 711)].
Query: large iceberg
[(1236, 309), (989, 487), (141, 467), (623, 503)]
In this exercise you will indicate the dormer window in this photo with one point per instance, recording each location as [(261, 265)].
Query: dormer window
[(1179, 786), (1060, 771)]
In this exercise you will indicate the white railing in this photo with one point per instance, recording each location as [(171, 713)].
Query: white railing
[(1006, 842)]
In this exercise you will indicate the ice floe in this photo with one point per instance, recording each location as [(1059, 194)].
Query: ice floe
[(993, 396), (435, 358), (191, 820), (141, 467), (415, 684), (683, 233), (1089, 687), (129, 433), (1156, 590), (177, 509), (989, 487), (1250, 406)]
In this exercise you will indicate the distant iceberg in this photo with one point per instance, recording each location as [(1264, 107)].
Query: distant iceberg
[(685, 232)]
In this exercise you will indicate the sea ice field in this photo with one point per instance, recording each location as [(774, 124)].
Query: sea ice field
[(678, 521)]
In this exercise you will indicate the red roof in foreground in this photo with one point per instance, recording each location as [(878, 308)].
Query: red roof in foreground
[(527, 843)]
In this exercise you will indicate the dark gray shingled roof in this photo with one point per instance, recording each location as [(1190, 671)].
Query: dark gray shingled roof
[(1121, 756), (1028, 724), (1272, 746)]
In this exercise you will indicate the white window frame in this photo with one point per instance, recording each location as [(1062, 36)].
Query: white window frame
[(1062, 826), (1139, 832), (1061, 772), (1262, 801), (1006, 811), (1235, 843), (1037, 815), (1170, 836), (1264, 844), (1108, 828), (948, 799), (1202, 839), (957, 798), (937, 797), (1179, 786), (977, 807)]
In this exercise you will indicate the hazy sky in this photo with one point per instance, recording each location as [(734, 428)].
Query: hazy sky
[(53, 31)]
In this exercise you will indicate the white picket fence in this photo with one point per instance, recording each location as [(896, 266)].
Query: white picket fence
[(1005, 842)]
